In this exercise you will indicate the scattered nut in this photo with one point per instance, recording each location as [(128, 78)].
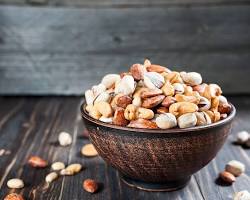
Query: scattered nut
[(36, 161), (227, 177), (51, 177), (242, 137), (142, 123), (235, 167), (14, 196), (90, 185), (71, 169), (89, 150), (187, 120), (166, 121), (15, 183), (57, 166), (242, 195), (119, 117), (65, 139)]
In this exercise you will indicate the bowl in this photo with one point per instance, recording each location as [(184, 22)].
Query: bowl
[(157, 159)]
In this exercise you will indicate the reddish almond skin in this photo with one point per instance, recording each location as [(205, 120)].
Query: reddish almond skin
[(162, 110), (168, 101), (152, 101), (227, 177), (90, 185), (151, 93), (119, 118), (156, 68), (142, 123), (137, 71), (13, 196), (123, 101), (224, 108), (37, 162)]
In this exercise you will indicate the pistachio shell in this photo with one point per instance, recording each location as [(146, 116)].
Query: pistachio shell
[(178, 88), (153, 80), (202, 118), (187, 120), (110, 80), (166, 121), (126, 85), (191, 78), (204, 104), (98, 89), (104, 96)]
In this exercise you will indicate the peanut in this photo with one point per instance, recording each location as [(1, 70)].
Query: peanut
[(90, 185), (227, 177)]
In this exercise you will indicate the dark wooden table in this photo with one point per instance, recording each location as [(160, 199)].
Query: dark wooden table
[(30, 126)]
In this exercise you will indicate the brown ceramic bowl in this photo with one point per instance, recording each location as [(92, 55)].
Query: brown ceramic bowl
[(157, 159)]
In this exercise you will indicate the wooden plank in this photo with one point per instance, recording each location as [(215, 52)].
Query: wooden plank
[(42, 54)]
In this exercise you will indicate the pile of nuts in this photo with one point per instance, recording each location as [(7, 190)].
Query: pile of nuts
[(233, 169), (152, 96)]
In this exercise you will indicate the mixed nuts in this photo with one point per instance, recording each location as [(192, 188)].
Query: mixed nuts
[(152, 96)]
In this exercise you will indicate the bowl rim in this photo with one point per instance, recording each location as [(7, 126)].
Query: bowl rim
[(162, 131)]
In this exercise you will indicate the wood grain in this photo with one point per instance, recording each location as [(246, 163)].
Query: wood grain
[(33, 128), (66, 50)]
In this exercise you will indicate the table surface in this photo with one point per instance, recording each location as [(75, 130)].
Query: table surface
[(30, 126)]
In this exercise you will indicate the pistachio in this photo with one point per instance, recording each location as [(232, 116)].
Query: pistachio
[(152, 101), (104, 108), (184, 98), (144, 113), (242, 195), (191, 78), (142, 123), (202, 118), (227, 177), (187, 120), (200, 88), (235, 167), (181, 108), (51, 177), (15, 183), (151, 93), (174, 77), (126, 85), (168, 101), (110, 80), (222, 100), (89, 96), (153, 80), (166, 121), (204, 104), (130, 112), (98, 89), (137, 71), (242, 137), (178, 88), (168, 89), (156, 68), (104, 96), (119, 117), (106, 119)]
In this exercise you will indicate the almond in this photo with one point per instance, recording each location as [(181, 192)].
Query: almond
[(137, 71), (156, 68), (119, 118), (227, 177), (162, 110), (13, 196), (36, 161), (90, 185), (142, 123), (123, 101), (168, 101), (152, 101), (224, 108), (151, 93)]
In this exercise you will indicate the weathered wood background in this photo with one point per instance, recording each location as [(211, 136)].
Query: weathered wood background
[(63, 47)]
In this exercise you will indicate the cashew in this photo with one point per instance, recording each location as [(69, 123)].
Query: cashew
[(174, 77), (51, 177), (168, 89), (183, 98), (181, 108)]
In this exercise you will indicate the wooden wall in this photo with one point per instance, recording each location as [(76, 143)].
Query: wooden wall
[(64, 47)]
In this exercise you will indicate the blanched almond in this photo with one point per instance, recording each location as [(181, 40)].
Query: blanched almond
[(142, 123), (89, 150), (152, 101), (15, 183)]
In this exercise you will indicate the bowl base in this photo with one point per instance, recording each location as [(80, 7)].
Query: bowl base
[(155, 187)]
